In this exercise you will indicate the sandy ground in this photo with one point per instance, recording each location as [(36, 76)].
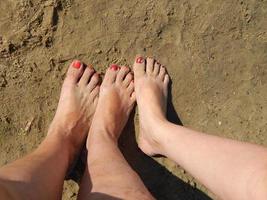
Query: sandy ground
[(215, 50)]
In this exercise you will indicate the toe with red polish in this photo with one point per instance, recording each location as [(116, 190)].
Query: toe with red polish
[(114, 67)]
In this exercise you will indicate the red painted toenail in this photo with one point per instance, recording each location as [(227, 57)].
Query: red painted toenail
[(139, 60), (114, 67), (77, 64)]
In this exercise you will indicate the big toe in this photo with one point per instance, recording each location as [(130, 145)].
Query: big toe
[(139, 66), (75, 71)]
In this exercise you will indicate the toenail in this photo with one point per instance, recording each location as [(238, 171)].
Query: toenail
[(114, 67), (91, 67), (139, 60), (77, 64)]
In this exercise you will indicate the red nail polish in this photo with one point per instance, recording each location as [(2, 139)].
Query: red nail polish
[(77, 64), (114, 67), (139, 60)]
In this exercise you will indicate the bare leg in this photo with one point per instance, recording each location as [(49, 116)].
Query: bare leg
[(108, 175), (40, 175), (230, 169)]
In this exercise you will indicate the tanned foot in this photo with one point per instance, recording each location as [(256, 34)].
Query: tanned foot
[(151, 89), (116, 101), (77, 103)]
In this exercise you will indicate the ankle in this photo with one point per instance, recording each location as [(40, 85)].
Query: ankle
[(100, 135), (162, 136), (154, 135), (61, 137)]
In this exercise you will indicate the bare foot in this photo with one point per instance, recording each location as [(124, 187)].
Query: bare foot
[(77, 103), (116, 101), (151, 88)]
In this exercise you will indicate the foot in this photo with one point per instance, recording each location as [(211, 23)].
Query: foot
[(151, 88), (77, 103), (116, 101)]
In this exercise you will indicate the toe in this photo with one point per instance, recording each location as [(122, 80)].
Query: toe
[(75, 71), (139, 66), (162, 72), (111, 74), (166, 80), (156, 68), (95, 92), (128, 79), (93, 82), (122, 74), (130, 87), (133, 98), (166, 84), (88, 72), (149, 65)]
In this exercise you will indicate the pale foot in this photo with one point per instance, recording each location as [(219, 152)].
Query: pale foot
[(77, 103), (116, 101), (151, 88)]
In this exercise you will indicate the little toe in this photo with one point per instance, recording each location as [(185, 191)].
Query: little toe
[(130, 87), (150, 65), (133, 97), (122, 74), (129, 77), (111, 74), (93, 82), (139, 66), (162, 72), (166, 79), (75, 71), (156, 68), (88, 72), (95, 92)]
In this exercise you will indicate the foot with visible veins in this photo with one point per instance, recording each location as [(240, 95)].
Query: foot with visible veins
[(77, 103), (116, 101), (151, 90)]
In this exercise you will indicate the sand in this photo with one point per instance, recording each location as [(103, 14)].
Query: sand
[(215, 51)]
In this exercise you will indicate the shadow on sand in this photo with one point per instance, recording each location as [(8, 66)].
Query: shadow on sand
[(160, 182)]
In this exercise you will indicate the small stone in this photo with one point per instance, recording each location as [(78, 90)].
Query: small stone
[(114, 49), (14, 76), (28, 125), (98, 51), (71, 194), (220, 123)]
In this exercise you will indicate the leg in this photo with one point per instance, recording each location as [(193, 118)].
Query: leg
[(107, 171), (40, 175), (230, 169)]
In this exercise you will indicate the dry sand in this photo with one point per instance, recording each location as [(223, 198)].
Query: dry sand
[(216, 53)]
